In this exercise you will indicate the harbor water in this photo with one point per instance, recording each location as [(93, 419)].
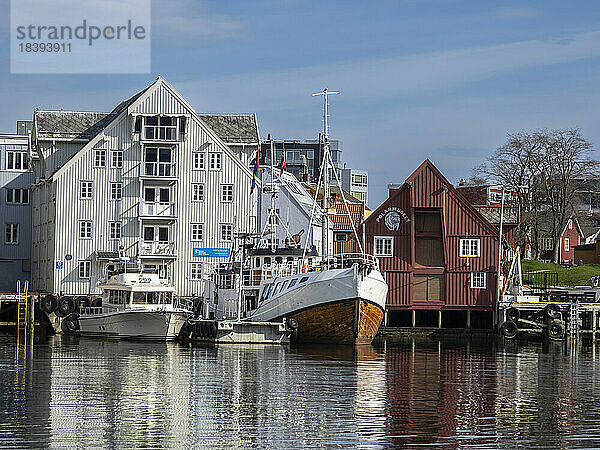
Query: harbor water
[(451, 393)]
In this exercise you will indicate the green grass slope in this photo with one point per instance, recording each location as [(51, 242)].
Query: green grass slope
[(575, 276)]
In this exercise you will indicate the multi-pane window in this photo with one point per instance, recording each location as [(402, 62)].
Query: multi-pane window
[(197, 192), (85, 229), (86, 189), (198, 160), (214, 161), (11, 231), (567, 244), (158, 161), (195, 271), (469, 247), (383, 245), (17, 196), (226, 232), (547, 243), (116, 191), (85, 269), (100, 157), (115, 230), (478, 280), (197, 231), (160, 128), (227, 193), (359, 195), (16, 160), (116, 158)]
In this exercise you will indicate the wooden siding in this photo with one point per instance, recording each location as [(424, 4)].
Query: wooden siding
[(101, 209), (427, 188)]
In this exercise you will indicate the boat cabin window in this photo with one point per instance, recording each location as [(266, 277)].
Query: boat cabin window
[(276, 288), (267, 260), (139, 298), (278, 259), (116, 297), (257, 262), (265, 293), (303, 279), (283, 286), (292, 283), (290, 259)]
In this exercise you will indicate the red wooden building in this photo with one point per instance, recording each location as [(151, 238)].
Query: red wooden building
[(439, 254)]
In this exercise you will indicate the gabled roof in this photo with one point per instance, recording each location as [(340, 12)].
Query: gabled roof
[(233, 128)]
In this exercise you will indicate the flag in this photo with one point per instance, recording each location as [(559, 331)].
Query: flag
[(255, 171), (282, 163)]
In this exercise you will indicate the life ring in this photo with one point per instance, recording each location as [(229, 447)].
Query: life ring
[(49, 304)]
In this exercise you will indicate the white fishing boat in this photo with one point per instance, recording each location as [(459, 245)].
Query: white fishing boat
[(136, 305), (336, 299)]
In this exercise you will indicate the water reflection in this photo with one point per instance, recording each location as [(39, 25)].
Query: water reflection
[(441, 392)]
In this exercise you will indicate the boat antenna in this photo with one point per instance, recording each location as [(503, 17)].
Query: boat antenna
[(325, 173)]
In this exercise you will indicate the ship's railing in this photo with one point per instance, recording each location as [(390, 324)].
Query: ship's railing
[(344, 260), (184, 303), (91, 310)]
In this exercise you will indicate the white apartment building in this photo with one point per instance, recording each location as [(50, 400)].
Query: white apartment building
[(15, 211), (152, 180)]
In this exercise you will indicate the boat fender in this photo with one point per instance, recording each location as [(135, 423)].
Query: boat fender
[(203, 329), (97, 302), (212, 327), (49, 304), (552, 311), (292, 323), (513, 314), (83, 302), (70, 324), (66, 306), (555, 330), (509, 329)]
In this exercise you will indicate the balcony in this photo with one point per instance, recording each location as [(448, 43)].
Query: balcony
[(157, 249), (157, 210), (164, 170)]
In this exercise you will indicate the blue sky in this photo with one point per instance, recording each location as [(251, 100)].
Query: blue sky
[(445, 80)]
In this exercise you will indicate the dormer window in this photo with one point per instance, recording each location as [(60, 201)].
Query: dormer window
[(160, 128)]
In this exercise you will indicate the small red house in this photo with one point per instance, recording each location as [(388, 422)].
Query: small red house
[(439, 254)]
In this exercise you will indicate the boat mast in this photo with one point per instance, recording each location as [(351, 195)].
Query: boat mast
[(271, 215), (325, 174)]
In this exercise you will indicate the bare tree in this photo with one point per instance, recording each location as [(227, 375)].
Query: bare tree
[(544, 165)]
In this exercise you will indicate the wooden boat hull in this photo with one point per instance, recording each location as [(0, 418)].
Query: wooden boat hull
[(351, 321)]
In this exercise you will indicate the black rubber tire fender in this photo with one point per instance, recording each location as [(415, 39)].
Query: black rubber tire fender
[(555, 330), (97, 302), (509, 329), (513, 314), (292, 323), (212, 330), (70, 324), (49, 303), (83, 301), (552, 310), (66, 306)]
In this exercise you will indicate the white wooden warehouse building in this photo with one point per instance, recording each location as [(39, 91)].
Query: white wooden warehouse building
[(152, 178)]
